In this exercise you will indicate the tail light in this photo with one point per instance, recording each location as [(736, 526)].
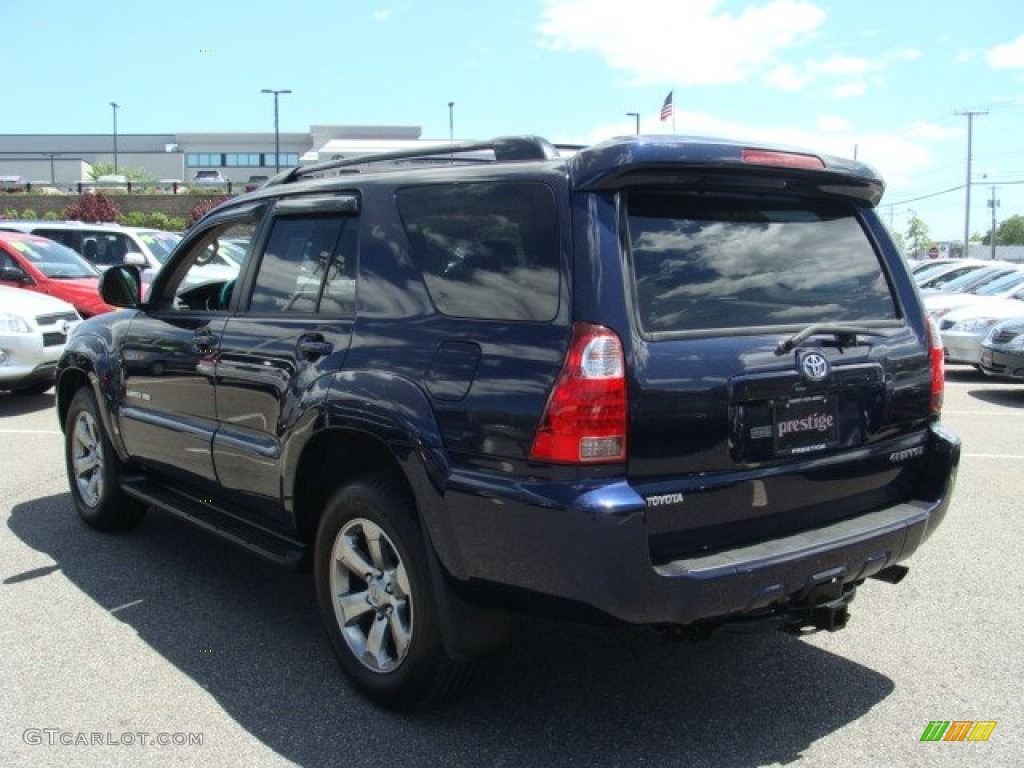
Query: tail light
[(937, 359), (585, 418)]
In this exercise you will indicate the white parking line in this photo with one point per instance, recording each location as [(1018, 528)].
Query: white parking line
[(30, 432)]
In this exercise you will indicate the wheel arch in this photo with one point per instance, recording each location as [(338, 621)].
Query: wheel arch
[(88, 364)]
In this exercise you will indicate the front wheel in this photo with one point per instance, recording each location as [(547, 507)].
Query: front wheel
[(376, 597), (94, 469)]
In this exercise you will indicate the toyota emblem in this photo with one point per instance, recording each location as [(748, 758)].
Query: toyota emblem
[(814, 366)]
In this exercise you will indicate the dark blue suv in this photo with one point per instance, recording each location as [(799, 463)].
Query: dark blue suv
[(675, 382)]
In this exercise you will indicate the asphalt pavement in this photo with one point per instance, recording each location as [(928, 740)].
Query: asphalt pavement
[(166, 647)]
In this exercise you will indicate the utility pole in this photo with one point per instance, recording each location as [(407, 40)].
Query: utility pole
[(993, 204), (637, 116), (969, 114)]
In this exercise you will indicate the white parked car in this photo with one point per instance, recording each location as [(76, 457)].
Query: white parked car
[(106, 245), (963, 329), (33, 331), (941, 303)]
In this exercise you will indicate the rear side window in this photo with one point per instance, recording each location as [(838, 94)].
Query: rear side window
[(487, 250), (703, 263)]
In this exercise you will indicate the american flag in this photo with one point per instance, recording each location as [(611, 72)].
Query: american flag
[(666, 108)]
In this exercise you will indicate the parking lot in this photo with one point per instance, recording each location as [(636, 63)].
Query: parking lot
[(167, 635)]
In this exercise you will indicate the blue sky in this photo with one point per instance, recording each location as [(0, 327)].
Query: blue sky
[(886, 80)]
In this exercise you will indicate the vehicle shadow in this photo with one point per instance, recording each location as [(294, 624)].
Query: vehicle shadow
[(1011, 397), (12, 404), (563, 693), (964, 373)]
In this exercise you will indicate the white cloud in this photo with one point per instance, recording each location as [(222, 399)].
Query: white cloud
[(847, 90), (786, 77), (843, 65), (383, 14), (691, 43), (1008, 55), (833, 124)]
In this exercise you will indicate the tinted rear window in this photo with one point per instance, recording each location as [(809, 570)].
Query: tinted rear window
[(728, 263), (486, 250)]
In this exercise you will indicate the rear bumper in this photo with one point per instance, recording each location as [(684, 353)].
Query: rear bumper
[(594, 549)]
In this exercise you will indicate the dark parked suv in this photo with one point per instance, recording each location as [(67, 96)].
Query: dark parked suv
[(673, 382)]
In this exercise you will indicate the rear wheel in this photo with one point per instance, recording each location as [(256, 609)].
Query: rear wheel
[(94, 469), (376, 597)]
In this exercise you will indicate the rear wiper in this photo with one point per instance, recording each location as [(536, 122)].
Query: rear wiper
[(846, 335)]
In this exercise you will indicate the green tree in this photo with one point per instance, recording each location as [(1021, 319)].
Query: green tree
[(1010, 232), (140, 175), (917, 238)]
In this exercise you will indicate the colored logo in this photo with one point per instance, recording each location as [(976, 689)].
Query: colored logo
[(958, 730)]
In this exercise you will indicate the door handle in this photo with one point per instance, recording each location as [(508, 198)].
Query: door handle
[(205, 342), (313, 347)]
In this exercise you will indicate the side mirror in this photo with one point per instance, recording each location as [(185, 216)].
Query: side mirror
[(135, 259), (121, 286), (14, 275)]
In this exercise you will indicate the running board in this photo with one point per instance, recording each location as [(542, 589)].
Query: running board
[(255, 538)]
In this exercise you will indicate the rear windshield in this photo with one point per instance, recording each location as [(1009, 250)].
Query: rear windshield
[(702, 263)]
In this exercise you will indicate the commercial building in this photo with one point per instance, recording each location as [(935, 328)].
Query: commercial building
[(64, 160)]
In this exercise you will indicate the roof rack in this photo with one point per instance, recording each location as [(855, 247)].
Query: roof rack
[(505, 148)]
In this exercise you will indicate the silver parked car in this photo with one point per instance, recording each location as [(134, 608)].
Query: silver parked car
[(33, 331), (964, 328)]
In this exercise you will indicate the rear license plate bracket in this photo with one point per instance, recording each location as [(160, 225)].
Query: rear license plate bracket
[(804, 425)]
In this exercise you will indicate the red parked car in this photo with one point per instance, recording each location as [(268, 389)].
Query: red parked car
[(44, 266)]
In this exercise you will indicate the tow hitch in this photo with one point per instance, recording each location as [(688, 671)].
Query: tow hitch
[(824, 607)]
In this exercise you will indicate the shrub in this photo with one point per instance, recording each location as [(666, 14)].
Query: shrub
[(203, 208), (135, 219), (51, 216), (93, 207), (154, 220)]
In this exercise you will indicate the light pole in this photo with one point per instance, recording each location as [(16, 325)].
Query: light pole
[(277, 132), (53, 171), (115, 106), (637, 116), (451, 122)]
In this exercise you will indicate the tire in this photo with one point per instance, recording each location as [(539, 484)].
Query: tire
[(376, 597), (94, 469)]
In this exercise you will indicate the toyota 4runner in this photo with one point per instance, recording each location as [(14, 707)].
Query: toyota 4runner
[(675, 382)]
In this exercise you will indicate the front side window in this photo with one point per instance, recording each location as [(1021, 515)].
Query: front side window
[(303, 255), (486, 250), (702, 263), (207, 275)]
